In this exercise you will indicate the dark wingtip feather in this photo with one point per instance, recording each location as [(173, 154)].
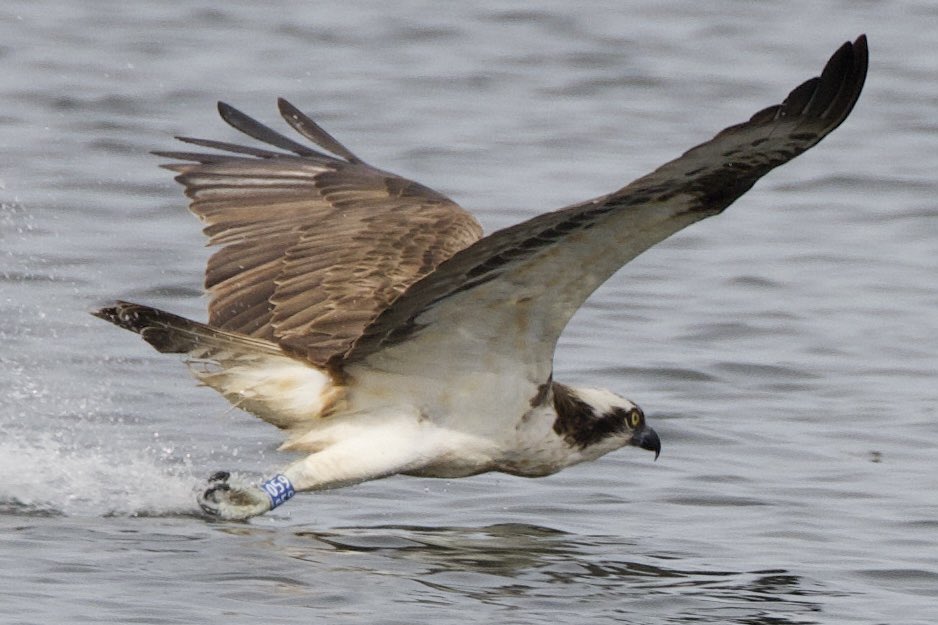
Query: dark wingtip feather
[(305, 125), (253, 128), (830, 96), (230, 147), (840, 83), (857, 78)]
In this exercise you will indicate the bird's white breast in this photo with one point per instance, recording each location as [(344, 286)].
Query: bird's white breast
[(468, 423)]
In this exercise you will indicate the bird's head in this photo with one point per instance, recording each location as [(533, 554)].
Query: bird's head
[(598, 421)]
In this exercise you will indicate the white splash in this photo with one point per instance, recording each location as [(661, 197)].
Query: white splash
[(45, 476)]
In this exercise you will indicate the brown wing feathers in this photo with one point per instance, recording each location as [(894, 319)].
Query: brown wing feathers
[(333, 259), (314, 246)]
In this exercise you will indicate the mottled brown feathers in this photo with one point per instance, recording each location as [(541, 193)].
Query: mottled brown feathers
[(314, 247)]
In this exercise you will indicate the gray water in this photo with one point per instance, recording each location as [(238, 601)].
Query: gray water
[(786, 351)]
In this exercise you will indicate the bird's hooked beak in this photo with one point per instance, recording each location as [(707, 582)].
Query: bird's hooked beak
[(647, 438)]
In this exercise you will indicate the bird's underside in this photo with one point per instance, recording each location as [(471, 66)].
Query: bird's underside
[(366, 316)]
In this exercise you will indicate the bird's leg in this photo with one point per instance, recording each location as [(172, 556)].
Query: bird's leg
[(341, 464)]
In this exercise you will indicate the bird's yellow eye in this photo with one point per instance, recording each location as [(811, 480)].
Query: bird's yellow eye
[(635, 417)]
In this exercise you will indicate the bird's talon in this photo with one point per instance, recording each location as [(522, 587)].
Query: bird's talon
[(219, 476), (224, 501)]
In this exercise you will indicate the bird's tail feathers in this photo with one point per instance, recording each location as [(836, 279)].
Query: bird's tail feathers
[(253, 374)]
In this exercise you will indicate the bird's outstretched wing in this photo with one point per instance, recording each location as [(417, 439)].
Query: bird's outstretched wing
[(515, 290), (315, 246)]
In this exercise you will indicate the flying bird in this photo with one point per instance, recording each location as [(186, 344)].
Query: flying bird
[(367, 317)]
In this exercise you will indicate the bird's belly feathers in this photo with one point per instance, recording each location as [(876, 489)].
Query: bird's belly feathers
[(463, 426)]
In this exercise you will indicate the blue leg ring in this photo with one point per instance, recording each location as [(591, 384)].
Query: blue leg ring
[(279, 489)]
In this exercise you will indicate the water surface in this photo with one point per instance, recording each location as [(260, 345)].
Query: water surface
[(785, 351)]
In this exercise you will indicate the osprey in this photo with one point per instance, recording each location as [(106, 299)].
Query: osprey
[(367, 317)]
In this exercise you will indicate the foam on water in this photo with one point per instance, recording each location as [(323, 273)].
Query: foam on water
[(47, 476)]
